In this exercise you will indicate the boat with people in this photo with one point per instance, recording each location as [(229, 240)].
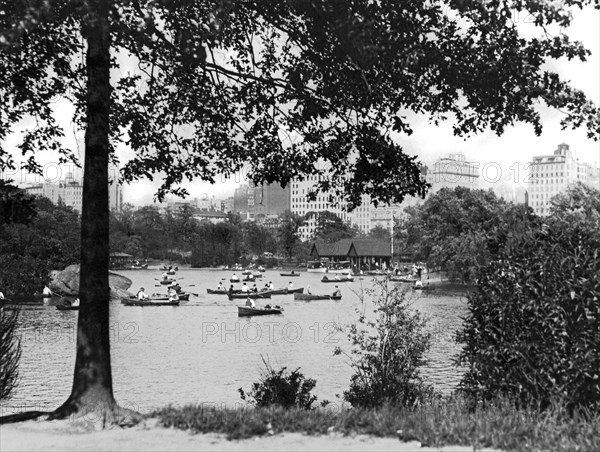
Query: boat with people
[(316, 267), (181, 295), (166, 282), (169, 268), (221, 292), (403, 279), (310, 297), (341, 267), (162, 301), (424, 288), (139, 267), (244, 295), (292, 273), (247, 311), (285, 291), (344, 278)]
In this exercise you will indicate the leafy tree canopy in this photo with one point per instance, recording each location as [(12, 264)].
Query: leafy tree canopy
[(202, 87), (460, 229)]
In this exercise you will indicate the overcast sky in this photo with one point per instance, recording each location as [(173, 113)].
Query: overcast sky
[(509, 153)]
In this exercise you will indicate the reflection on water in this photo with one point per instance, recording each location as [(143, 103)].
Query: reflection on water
[(202, 352)]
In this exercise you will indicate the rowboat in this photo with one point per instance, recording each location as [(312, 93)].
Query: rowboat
[(246, 311), (403, 279), (220, 292), (181, 296), (249, 278), (41, 295), (151, 302), (424, 288), (283, 291), (234, 280), (289, 274), (63, 307), (316, 267), (308, 296), (166, 282), (339, 267), (249, 295), (335, 280)]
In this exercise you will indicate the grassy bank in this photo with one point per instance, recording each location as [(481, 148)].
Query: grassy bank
[(447, 423)]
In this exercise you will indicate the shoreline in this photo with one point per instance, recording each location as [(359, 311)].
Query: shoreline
[(149, 436)]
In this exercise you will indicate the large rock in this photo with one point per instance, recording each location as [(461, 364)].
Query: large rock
[(67, 282)]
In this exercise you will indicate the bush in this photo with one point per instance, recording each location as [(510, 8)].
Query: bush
[(388, 353), (10, 353), (283, 388), (531, 334)]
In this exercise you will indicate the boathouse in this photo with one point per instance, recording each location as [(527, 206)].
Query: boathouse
[(334, 252), (370, 254), (119, 260), (363, 254)]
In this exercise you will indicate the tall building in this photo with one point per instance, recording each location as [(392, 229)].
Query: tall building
[(268, 199), (300, 205), (453, 171), (70, 192), (240, 199), (551, 174)]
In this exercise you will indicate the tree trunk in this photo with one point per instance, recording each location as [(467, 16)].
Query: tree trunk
[(92, 392)]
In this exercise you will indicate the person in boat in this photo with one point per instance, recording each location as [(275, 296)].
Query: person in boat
[(337, 277), (418, 284), (141, 295), (46, 291), (336, 292), (290, 286), (245, 288), (293, 273), (230, 291), (254, 288), (173, 295), (1, 296), (175, 286), (165, 276), (271, 286), (307, 289), (234, 277), (250, 303), (220, 286), (76, 302)]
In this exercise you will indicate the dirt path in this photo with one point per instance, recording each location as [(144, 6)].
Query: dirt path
[(64, 436)]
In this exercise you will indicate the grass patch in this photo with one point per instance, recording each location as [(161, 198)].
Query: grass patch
[(445, 423)]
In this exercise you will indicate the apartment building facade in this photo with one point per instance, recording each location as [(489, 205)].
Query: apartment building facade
[(552, 174)]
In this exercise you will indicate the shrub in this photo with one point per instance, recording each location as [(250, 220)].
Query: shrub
[(532, 332), (388, 352), (10, 352), (281, 387)]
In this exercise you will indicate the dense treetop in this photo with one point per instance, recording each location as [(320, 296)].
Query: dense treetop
[(291, 87)]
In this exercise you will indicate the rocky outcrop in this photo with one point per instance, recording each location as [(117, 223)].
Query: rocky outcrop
[(66, 282)]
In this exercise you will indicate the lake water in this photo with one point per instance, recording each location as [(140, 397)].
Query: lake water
[(202, 352)]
